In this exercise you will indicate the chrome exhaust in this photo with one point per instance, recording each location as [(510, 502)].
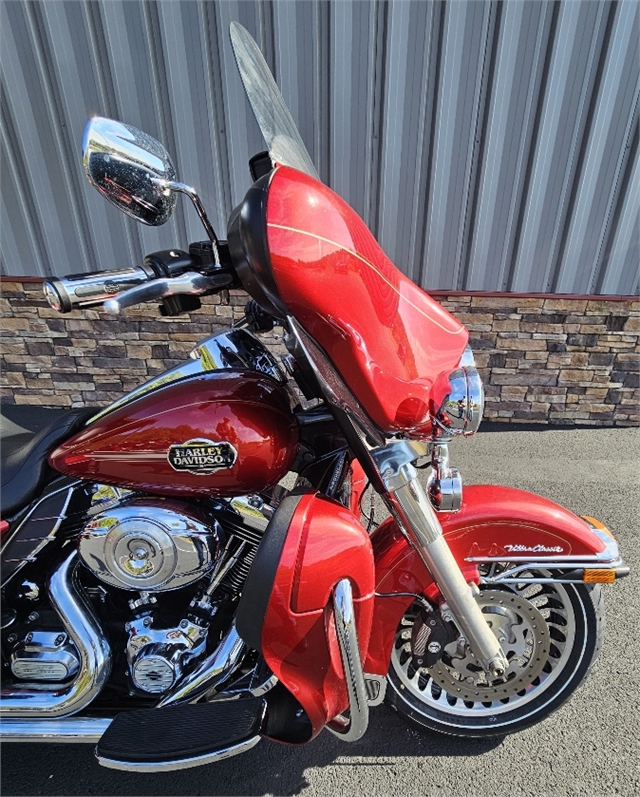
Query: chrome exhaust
[(81, 623), (211, 673), (73, 730)]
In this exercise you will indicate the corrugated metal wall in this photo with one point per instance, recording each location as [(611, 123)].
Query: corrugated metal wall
[(489, 145)]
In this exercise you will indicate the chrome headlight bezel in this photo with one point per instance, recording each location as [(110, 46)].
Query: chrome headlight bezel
[(461, 412)]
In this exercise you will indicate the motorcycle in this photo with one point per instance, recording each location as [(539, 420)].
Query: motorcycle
[(188, 570)]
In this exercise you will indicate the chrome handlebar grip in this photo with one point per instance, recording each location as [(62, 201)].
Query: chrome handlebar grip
[(190, 283), (88, 290)]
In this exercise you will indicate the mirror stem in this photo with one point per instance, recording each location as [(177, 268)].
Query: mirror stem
[(171, 185)]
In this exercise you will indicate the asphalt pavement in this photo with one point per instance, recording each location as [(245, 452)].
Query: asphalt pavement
[(588, 747)]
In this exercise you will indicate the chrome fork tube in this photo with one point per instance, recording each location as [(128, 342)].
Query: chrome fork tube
[(412, 509)]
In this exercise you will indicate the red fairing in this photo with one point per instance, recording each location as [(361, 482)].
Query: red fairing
[(325, 543), (220, 434), (493, 522), (388, 339)]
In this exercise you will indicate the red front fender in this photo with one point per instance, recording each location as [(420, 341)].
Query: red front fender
[(493, 522)]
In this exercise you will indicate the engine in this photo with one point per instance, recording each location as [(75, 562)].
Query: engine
[(153, 545), (177, 568), (150, 545)]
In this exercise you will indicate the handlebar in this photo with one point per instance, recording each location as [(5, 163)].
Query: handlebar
[(163, 274), (88, 290), (191, 284)]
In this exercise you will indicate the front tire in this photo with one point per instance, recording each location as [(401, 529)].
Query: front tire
[(439, 698)]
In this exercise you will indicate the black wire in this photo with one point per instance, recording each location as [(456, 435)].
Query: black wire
[(330, 454), (369, 518)]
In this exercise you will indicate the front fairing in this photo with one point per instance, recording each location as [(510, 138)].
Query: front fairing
[(301, 251), (388, 339)]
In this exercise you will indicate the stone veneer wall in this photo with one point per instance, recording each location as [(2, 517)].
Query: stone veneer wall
[(542, 359)]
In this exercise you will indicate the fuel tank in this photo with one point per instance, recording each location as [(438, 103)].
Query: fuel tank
[(217, 434)]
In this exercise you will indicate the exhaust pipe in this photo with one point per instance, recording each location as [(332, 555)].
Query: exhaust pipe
[(211, 672), (82, 625), (73, 730)]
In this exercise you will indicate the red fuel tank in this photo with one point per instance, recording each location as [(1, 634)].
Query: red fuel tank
[(217, 434)]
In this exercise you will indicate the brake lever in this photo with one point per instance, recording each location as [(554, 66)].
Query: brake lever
[(190, 283)]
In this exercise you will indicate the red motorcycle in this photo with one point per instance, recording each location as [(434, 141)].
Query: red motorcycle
[(186, 571)]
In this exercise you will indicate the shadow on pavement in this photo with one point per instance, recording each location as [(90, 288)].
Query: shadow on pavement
[(269, 768)]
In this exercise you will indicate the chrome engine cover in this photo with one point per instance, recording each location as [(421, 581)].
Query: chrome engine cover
[(45, 656), (150, 545), (157, 656)]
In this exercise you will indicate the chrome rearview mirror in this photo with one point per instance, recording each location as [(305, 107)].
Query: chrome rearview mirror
[(130, 168)]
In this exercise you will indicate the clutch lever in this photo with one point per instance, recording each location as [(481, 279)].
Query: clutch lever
[(190, 283)]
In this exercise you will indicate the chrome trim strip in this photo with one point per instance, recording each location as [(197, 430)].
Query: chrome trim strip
[(540, 580), (42, 541), (552, 561), (185, 763), (72, 730), (353, 728), (513, 574), (82, 625)]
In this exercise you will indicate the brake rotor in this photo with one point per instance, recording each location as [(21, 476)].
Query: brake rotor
[(524, 636)]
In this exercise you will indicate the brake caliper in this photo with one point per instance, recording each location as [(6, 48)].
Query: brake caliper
[(429, 636)]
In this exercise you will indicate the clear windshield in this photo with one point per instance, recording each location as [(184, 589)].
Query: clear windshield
[(274, 119)]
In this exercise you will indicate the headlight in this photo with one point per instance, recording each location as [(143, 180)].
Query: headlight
[(461, 411)]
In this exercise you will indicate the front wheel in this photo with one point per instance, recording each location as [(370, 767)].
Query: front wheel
[(551, 633)]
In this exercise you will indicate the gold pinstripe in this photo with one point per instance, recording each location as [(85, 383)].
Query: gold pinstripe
[(369, 265)]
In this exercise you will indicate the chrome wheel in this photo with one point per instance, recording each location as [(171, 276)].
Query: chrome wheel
[(551, 635)]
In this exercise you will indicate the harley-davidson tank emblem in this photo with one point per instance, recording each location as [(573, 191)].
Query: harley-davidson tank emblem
[(201, 456)]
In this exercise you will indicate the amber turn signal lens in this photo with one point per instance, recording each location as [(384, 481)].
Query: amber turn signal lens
[(599, 576), (597, 525)]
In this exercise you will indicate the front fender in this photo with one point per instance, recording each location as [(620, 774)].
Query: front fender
[(493, 522)]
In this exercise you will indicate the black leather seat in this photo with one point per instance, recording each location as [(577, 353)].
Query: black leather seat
[(25, 470)]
